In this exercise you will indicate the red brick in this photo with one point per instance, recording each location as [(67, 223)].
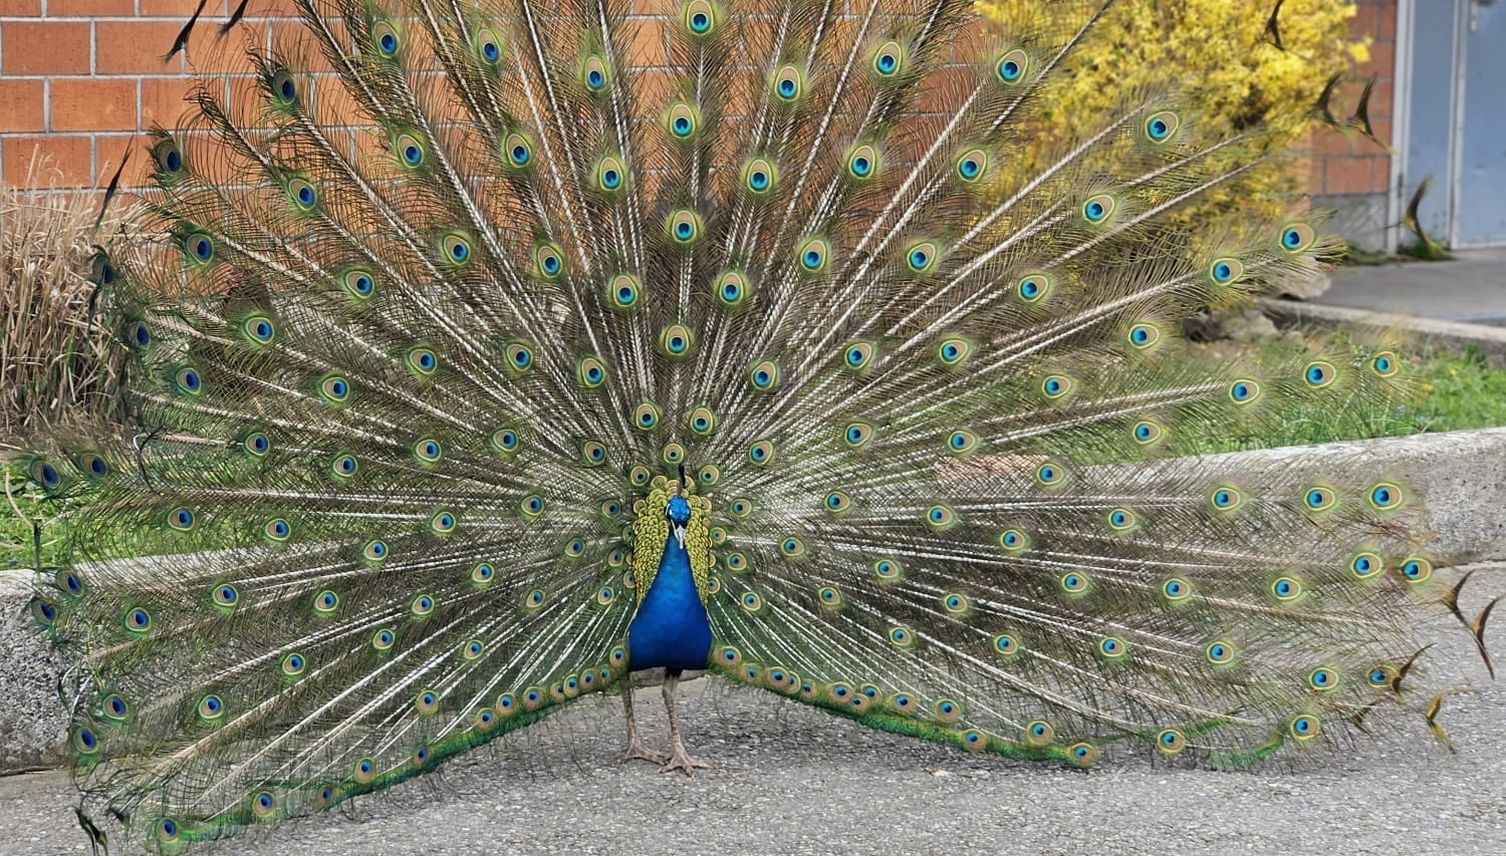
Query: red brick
[(1385, 22), (23, 105), (270, 9), (93, 104), (89, 8), (135, 47), (110, 148), (70, 166), (46, 47), (1382, 61), (1352, 175), (162, 100), (20, 8), (180, 10)]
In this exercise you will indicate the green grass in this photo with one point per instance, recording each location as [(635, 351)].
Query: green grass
[(1459, 391)]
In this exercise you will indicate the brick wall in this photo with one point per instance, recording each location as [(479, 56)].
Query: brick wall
[(1346, 163), (83, 78)]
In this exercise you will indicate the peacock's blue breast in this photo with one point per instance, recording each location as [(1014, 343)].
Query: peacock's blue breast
[(670, 628)]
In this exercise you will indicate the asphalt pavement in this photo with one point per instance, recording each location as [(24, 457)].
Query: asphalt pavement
[(790, 780)]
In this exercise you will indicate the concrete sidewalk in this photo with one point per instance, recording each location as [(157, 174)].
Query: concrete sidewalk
[(1471, 288)]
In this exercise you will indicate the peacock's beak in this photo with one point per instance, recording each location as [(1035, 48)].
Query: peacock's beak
[(680, 534)]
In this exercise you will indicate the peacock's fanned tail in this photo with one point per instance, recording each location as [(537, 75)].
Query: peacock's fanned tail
[(444, 289)]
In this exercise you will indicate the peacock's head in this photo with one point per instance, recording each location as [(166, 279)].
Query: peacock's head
[(678, 513)]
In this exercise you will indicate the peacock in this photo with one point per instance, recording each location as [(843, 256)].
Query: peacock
[(474, 367)]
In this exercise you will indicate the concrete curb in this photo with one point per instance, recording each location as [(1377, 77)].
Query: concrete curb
[(1433, 333), (1462, 474)]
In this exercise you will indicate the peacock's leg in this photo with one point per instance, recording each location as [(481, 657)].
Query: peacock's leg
[(678, 760), (635, 747)]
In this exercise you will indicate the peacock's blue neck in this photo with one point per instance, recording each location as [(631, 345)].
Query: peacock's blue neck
[(670, 628)]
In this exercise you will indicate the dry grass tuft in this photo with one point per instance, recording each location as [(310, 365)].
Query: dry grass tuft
[(58, 372)]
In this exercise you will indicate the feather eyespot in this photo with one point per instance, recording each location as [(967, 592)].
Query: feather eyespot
[(646, 416), (1286, 589), (1121, 519), (1176, 589), (813, 255), (488, 47), (1161, 126), (181, 519), (676, 341), (168, 157), (303, 195), (517, 151), (889, 59), (1033, 288), (1319, 374), (200, 248), (374, 551), (519, 357), (1225, 271), (456, 249), (623, 291), (326, 602), (863, 162), (940, 517), (901, 637), (410, 152), (1304, 727), (504, 441), (788, 83), (482, 574), (293, 664), (759, 176), (1013, 540), (1171, 741), (210, 707), (1416, 569), (385, 39), (592, 453), (277, 530), (1097, 209), (610, 174), (971, 165), (1049, 474), (731, 289), (595, 74), (699, 18), (1011, 67), (359, 283), (344, 466), (284, 88), (921, 257), (1147, 432), (1384, 364), (683, 226), (683, 121), (1297, 237), (702, 421), (764, 375), (954, 351)]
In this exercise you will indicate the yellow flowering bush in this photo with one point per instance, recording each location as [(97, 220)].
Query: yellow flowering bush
[(1213, 54)]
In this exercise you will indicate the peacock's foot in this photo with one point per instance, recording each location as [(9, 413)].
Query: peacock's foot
[(636, 750), (682, 761)]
